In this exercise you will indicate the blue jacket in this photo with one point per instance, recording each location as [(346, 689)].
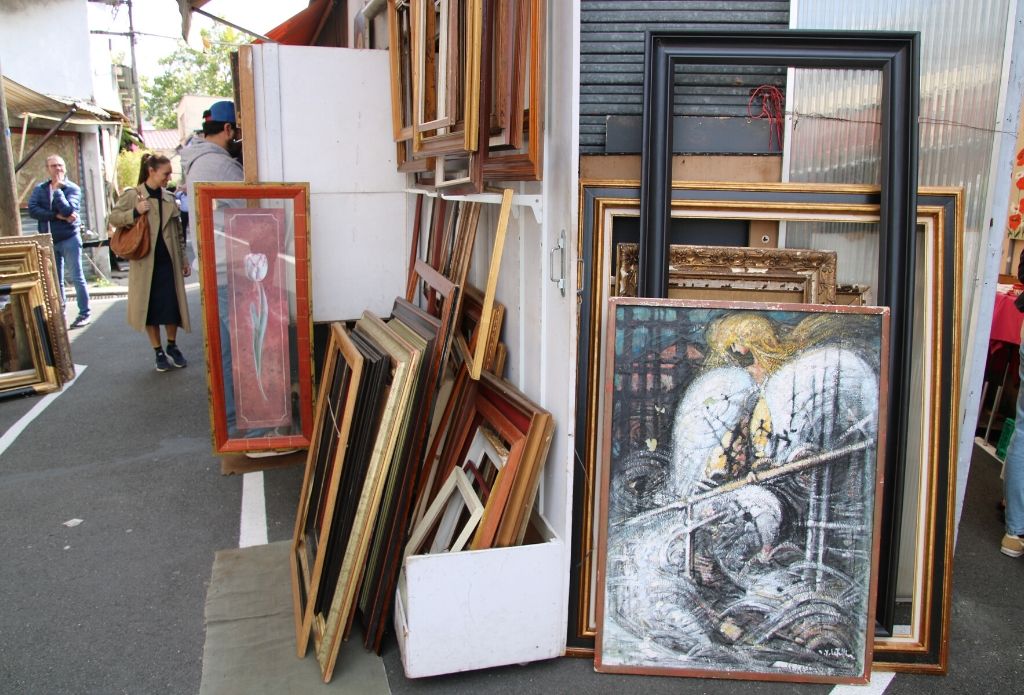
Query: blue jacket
[(66, 200)]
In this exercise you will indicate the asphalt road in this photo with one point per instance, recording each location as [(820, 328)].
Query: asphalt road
[(115, 604)]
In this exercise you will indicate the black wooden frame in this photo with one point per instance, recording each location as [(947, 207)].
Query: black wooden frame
[(897, 55)]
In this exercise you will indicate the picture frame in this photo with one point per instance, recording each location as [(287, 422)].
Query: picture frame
[(331, 628), (798, 603), (472, 311), (898, 56), (455, 495), (33, 253), (524, 161), (479, 357), (457, 86), (26, 358), (922, 646), (335, 409), (273, 339), (384, 591), (714, 272)]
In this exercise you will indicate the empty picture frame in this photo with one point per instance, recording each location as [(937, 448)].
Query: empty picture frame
[(335, 625), (525, 161), (455, 496), (257, 321), (479, 357), (897, 56), (451, 128), (335, 407), (739, 538), (714, 272)]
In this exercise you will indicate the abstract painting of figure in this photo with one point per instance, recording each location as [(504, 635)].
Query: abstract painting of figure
[(739, 532)]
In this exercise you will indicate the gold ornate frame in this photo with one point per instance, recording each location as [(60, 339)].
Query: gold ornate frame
[(698, 272)]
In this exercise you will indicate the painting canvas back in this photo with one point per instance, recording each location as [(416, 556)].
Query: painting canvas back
[(739, 532)]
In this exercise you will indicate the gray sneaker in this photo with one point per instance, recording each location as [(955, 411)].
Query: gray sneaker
[(176, 358)]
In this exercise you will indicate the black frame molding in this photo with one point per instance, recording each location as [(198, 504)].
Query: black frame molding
[(897, 56)]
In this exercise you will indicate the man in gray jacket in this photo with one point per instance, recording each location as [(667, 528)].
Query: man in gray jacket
[(211, 159)]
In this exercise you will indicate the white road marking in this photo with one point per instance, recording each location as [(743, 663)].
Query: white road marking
[(879, 682), (253, 527), (17, 428)]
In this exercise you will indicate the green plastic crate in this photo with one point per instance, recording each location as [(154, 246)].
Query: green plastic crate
[(1004, 438)]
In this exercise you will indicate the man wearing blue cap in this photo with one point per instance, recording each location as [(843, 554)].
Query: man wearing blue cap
[(211, 159)]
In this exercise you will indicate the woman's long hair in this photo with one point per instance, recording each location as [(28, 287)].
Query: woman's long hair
[(150, 162)]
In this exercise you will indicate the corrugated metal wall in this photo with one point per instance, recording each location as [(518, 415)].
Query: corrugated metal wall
[(612, 59), (835, 136)]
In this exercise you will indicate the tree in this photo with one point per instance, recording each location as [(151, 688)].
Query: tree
[(188, 71)]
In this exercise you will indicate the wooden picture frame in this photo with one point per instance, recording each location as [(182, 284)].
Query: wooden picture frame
[(472, 311), (525, 161), (479, 358), (420, 330), (26, 358), (330, 629), (697, 272), (925, 648), (457, 488), (459, 44), (384, 591), (681, 592), (335, 407), (276, 218)]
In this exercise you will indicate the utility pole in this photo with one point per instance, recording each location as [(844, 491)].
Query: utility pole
[(10, 217), (135, 71)]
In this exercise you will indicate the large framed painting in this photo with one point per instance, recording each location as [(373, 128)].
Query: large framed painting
[(254, 266), (914, 589), (739, 527)]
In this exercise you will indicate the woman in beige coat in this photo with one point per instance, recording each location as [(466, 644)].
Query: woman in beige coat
[(156, 283)]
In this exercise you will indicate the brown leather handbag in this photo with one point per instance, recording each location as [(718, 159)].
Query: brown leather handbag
[(131, 242)]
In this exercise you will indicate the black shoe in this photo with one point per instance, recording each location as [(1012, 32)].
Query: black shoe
[(82, 320), (176, 358), (162, 365)]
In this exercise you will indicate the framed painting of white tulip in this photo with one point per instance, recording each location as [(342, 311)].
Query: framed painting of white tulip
[(257, 320)]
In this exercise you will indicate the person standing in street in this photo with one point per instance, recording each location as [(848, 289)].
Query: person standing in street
[(156, 282), (55, 204)]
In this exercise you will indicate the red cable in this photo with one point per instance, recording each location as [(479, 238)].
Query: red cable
[(772, 101)]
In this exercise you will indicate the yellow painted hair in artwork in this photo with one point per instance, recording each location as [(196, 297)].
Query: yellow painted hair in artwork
[(759, 335)]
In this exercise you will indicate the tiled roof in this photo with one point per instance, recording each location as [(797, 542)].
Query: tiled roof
[(161, 139)]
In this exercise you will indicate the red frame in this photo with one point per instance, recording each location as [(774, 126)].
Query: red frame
[(298, 193)]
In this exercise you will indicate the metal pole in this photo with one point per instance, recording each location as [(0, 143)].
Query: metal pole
[(10, 220), (135, 70)]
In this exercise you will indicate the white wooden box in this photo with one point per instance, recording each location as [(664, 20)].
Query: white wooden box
[(481, 608)]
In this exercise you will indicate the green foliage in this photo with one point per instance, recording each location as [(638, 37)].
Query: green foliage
[(128, 165), (188, 71)]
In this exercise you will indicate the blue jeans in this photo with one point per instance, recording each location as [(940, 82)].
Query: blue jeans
[(69, 253), (1013, 471)]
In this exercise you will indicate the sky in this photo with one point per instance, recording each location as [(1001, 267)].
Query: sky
[(162, 19)]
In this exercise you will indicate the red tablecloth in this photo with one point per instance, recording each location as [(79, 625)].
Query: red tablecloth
[(1006, 320)]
